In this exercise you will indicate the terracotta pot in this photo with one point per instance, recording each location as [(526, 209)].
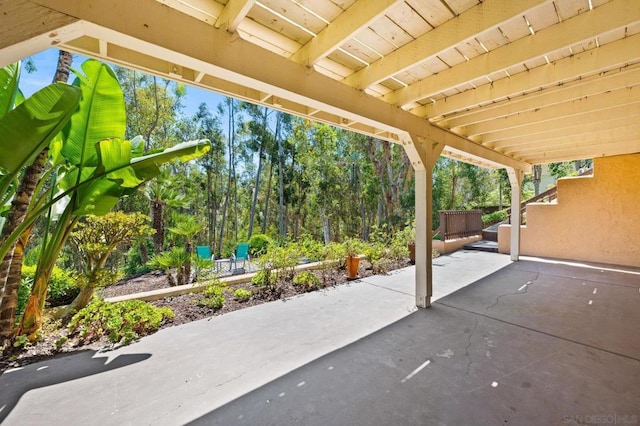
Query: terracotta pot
[(412, 252), (352, 267)]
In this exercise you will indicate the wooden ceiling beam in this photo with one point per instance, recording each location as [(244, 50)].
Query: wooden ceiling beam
[(233, 13), (544, 98), (343, 28), (577, 128), (599, 103), (486, 15), (582, 27), (199, 46)]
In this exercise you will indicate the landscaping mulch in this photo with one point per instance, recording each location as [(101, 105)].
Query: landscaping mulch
[(186, 309)]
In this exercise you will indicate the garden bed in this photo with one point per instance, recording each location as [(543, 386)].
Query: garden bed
[(185, 307)]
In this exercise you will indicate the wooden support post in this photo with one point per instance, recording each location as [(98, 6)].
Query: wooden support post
[(515, 178), (423, 155)]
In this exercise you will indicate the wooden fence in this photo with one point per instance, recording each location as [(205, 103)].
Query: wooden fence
[(460, 223)]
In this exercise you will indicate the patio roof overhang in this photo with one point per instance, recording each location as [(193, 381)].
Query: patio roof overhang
[(499, 83), (495, 83)]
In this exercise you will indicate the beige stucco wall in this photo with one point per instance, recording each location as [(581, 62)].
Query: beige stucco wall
[(595, 219)]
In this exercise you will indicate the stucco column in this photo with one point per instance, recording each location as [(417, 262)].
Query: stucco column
[(423, 155), (515, 178)]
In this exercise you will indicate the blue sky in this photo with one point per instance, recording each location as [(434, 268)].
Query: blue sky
[(47, 60)]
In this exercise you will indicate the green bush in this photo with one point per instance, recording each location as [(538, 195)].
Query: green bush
[(242, 295), (258, 244), (63, 287), (135, 264), (213, 297), (493, 218), (121, 322), (307, 279), (24, 290)]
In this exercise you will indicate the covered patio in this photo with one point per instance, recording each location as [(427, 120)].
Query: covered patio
[(531, 342), (500, 84), (494, 83)]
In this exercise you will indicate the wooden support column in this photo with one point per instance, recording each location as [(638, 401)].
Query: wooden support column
[(423, 155), (515, 178)]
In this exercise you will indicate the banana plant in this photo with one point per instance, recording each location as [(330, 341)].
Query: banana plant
[(27, 126), (97, 168)]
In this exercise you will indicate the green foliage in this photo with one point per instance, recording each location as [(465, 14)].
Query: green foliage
[(258, 244), (63, 287), (307, 279), (59, 343), (94, 239), (353, 246), (134, 264), (213, 297), (121, 322), (21, 341), (175, 259), (242, 295), (275, 267), (493, 218)]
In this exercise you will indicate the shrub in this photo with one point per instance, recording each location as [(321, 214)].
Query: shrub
[(121, 322), (135, 264), (242, 295), (493, 218), (258, 244), (63, 287), (307, 279), (213, 297)]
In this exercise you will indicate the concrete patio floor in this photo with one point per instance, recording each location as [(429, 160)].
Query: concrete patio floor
[(532, 342)]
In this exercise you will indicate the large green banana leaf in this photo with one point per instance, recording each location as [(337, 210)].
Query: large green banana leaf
[(27, 129), (101, 114), (9, 78), (119, 174)]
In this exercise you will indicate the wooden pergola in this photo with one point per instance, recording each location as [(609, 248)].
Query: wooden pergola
[(498, 83)]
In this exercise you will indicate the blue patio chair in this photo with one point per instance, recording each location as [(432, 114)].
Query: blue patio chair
[(241, 254), (204, 252)]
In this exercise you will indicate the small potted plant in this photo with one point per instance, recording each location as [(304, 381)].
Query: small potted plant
[(352, 247)]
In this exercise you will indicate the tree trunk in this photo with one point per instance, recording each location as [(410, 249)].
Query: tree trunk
[(265, 212), (81, 300), (10, 301), (157, 221), (281, 225), (537, 177)]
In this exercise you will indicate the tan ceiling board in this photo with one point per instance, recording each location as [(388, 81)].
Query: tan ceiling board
[(557, 94), (470, 48), (553, 114), (584, 137), (267, 38), (297, 14), (434, 12), (325, 8), (568, 69), (505, 137), (278, 24), (460, 6), (346, 60), (368, 37), (515, 28), (390, 32), (451, 57), (407, 18), (335, 68), (581, 27), (569, 8), (360, 51), (541, 17), (583, 152), (492, 39), (622, 116), (203, 10)]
